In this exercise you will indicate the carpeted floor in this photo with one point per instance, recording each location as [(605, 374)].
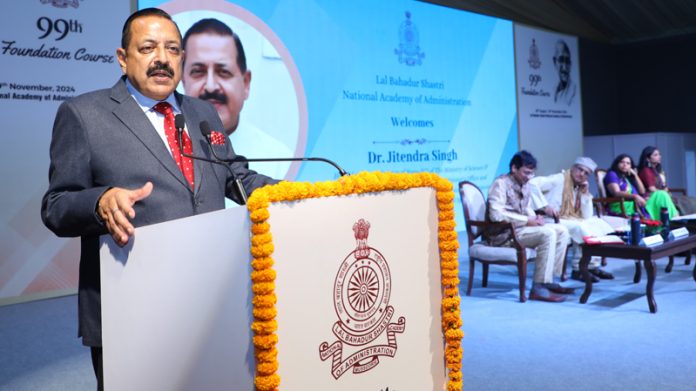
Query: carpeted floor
[(611, 343)]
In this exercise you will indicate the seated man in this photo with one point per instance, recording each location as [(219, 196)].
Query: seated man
[(567, 195), (509, 200)]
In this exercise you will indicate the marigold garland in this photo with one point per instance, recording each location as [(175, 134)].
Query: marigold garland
[(263, 276)]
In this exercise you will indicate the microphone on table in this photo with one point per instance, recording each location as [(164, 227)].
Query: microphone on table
[(179, 124), (205, 129)]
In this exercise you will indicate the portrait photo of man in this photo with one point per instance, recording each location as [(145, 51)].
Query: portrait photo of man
[(218, 69), (565, 89)]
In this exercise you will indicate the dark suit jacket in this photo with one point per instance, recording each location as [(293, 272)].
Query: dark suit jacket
[(103, 139)]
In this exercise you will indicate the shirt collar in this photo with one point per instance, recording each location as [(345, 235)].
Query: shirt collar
[(146, 103)]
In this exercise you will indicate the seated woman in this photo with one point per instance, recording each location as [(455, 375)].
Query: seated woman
[(623, 181), (653, 176)]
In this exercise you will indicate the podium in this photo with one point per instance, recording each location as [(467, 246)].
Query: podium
[(342, 285)]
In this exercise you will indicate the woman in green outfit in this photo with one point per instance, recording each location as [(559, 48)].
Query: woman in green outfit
[(622, 180), (654, 179)]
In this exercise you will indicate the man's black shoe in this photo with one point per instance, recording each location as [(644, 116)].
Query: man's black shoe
[(602, 274), (556, 288), (576, 275)]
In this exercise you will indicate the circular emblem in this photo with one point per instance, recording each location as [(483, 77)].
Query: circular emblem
[(361, 291)]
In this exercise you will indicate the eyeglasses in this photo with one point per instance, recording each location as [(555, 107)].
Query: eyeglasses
[(527, 173)]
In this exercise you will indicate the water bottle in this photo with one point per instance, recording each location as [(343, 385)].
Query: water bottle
[(664, 219), (635, 229)]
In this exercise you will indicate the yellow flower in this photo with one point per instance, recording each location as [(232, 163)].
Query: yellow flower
[(267, 275), (264, 300), (264, 327), (264, 313), (265, 341), (263, 250), (260, 228), (266, 355), (267, 383), (262, 263), (262, 288), (267, 368)]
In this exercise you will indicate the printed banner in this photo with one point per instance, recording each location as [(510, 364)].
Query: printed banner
[(51, 50), (362, 303), (548, 94)]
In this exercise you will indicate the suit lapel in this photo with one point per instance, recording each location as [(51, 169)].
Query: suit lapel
[(132, 116), (193, 120)]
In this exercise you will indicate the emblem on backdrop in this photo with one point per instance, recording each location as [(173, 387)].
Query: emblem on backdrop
[(62, 3), (534, 59), (409, 51), (361, 300)]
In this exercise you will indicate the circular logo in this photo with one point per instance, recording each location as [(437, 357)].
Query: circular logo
[(361, 291)]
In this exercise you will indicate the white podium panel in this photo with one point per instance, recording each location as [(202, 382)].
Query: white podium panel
[(176, 306), (359, 292)]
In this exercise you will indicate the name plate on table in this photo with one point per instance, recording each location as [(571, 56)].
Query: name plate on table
[(678, 233), (652, 240)]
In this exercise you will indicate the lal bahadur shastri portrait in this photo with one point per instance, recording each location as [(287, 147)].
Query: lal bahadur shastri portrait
[(566, 88)]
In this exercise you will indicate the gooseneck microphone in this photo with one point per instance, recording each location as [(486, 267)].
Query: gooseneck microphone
[(205, 129), (179, 124)]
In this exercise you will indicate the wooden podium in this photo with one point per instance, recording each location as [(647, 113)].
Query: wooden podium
[(353, 286)]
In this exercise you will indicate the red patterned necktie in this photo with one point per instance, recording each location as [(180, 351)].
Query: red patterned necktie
[(185, 164)]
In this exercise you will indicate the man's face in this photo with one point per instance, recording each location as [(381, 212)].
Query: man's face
[(523, 174), (562, 62), (580, 174), (211, 73), (152, 60)]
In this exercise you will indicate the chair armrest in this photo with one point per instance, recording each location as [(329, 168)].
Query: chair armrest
[(679, 190), (601, 203), (503, 226)]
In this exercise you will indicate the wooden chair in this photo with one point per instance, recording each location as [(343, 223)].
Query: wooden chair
[(602, 202), (474, 205)]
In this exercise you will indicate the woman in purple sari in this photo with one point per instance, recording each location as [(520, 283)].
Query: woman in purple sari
[(622, 181)]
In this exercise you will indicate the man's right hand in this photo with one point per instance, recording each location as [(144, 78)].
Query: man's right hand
[(535, 221), (115, 207), (584, 187)]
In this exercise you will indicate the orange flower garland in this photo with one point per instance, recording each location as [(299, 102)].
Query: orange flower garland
[(263, 275)]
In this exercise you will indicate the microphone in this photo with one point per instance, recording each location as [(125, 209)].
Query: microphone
[(205, 129), (179, 124)]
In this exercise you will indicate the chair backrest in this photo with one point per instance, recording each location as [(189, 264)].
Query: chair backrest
[(600, 173), (474, 205)]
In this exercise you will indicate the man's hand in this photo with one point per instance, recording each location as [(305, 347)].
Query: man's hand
[(584, 187), (535, 221), (549, 211), (115, 207)]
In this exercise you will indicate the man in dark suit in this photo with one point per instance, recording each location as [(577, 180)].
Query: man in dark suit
[(114, 165)]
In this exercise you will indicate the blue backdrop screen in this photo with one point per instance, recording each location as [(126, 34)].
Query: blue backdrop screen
[(398, 86)]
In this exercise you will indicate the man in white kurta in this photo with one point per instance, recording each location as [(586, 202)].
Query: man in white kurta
[(567, 195)]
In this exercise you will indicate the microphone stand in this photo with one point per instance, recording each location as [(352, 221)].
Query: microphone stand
[(341, 171), (205, 130), (237, 181)]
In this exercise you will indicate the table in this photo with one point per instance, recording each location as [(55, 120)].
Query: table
[(689, 222), (639, 253)]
